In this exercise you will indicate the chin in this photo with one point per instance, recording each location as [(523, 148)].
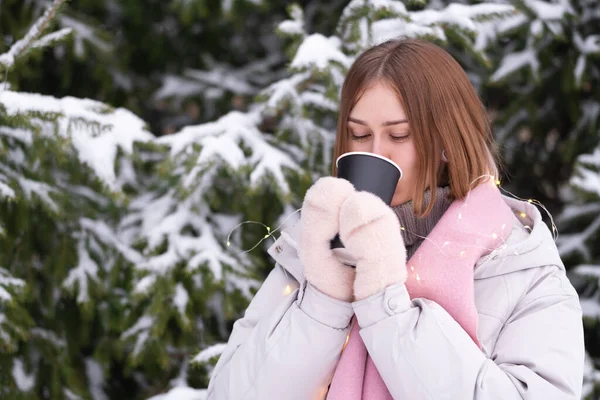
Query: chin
[(397, 200)]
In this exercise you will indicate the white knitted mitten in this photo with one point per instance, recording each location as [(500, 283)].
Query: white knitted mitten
[(319, 224), (370, 231)]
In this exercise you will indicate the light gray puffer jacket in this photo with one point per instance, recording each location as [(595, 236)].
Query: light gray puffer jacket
[(530, 326)]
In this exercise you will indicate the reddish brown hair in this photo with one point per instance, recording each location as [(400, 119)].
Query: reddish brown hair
[(443, 110)]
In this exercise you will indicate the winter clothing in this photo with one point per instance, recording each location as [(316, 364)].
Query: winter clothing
[(320, 216), (416, 229), (288, 343), (441, 271), (370, 231)]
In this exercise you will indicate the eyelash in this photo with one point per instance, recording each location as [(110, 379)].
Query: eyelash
[(362, 138)]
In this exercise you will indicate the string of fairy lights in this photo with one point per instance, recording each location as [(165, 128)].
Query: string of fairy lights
[(441, 247), (444, 248)]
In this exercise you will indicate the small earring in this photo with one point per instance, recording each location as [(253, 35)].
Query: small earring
[(444, 158)]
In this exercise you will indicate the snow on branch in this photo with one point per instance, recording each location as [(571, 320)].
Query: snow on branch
[(165, 218), (294, 26), (25, 381), (7, 282), (86, 270), (105, 234), (569, 243), (29, 187), (462, 15), (18, 48), (208, 353), (547, 11), (9, 287), (539, 16), (318, 51), (182, 393), (588, 270), (587, 177), (141, 331), (219, 78), (51, 38), (430, 22), (223, 140), (89, 238), (574, 211), (590, 307), (591, 378), (81, 33), (515, 61), (95, 130)]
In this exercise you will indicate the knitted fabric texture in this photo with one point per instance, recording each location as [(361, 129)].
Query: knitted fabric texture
[(416, 229)]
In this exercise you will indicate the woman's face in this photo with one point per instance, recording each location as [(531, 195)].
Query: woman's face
[(377, 124)]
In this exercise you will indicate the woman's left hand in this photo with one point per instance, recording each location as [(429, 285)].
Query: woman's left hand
[(370, 231)]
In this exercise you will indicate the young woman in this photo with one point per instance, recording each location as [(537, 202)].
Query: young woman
[(458, 292)]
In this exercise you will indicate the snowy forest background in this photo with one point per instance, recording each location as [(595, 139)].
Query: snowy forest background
[(135, 135)]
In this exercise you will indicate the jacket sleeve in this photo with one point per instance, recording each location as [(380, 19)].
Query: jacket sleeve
[(286, 345), (421, 352)]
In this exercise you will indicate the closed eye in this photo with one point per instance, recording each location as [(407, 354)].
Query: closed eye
[(359, 138), (399, 138)]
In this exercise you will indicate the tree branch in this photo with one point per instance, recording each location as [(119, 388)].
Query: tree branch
[(8, 59)]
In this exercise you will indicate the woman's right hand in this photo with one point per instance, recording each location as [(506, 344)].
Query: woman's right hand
[(320, 223)]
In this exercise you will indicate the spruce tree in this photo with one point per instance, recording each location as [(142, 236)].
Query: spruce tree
[(63, 270), (579, 245), (546, 67), (171, 62)]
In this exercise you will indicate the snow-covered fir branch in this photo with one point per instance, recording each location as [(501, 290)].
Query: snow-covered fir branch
[(96, 131), (30, 39)]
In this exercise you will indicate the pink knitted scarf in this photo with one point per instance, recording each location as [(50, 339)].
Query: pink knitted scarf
[(441, 270)]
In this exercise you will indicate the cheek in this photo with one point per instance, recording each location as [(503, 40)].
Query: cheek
[(407, 161)]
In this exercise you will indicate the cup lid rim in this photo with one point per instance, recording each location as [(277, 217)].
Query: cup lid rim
[(366, 153)]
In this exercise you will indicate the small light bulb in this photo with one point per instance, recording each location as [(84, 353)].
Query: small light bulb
[(402, 228), (228, 244), (523, 215), (287, 290), (494, 235), (498, 182), (462, 253)]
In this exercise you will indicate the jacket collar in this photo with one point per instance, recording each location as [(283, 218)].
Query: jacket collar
[(530, 244)]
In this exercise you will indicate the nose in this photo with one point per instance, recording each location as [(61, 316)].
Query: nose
[(379, 148)]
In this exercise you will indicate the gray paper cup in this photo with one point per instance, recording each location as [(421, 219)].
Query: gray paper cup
[(367, 172)]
